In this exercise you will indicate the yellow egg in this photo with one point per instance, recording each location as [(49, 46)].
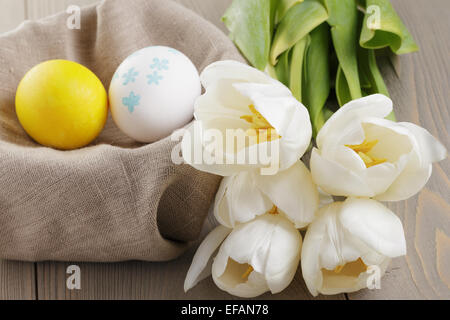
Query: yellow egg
[(62, 104)]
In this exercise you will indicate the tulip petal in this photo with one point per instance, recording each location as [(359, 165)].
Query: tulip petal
[(288, 116), (254, 286), (327, 246), (377, 105), (312, 248), (239, 200), (221, 208), (380, 178), (234, 70), (375, 225), (342, 236), (345, 156), (411, 148), (203, 256), (431, 150), (283, 257), (194, 150), (270, 245), (221, 100), (334, 179), (410, 181), (275, 103), (293, 192), (393, 141)]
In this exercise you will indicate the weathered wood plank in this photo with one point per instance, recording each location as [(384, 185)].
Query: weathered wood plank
[(212, 10), (17, 280), (140, 280), (421, 96), (12, 14)]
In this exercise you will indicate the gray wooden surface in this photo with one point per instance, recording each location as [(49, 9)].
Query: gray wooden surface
[(421, 95)]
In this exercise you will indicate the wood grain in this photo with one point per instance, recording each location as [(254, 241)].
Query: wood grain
[(420, 92), (140, 280), (17, 280), (421, 95)]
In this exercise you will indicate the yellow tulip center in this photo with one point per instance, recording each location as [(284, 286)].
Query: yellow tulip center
[(274, 210), (247, 273), (261, 128), (236, 273), (364, 149), (354, 269)]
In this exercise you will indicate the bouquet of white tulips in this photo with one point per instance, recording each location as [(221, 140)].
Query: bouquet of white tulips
[(360, 155), (317, 47)]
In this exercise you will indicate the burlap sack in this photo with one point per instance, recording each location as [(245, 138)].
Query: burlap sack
[(115, 200)]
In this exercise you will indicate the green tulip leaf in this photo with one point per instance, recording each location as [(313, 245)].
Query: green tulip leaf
[(300, 20), (327, 113), (282, 68), (382, 28), (250, 24), (343, 19), (296, 70), (342, 88), (369, 71), (317, 76), (283, 7), (371, 75), (273, 15)]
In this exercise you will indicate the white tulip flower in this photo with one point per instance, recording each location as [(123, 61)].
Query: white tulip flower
[(241, 103), (348, 244), (361, 154), (256, 257), (245, 195)]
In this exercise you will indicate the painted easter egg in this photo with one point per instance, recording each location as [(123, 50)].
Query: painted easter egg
[(153, 92), (62, 104)]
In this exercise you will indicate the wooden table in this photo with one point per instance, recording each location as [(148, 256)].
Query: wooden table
[(420, 90)]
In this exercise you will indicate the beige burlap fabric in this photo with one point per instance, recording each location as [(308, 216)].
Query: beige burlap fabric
[(115, 200)]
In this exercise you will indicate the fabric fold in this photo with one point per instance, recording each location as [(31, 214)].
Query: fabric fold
[(115, 200)]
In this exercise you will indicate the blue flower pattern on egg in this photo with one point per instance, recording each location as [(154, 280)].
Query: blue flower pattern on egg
[(132, 101), (160, 64), (130, 76), (154, 78)]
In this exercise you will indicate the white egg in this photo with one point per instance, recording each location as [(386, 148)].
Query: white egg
[(153, 92)]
